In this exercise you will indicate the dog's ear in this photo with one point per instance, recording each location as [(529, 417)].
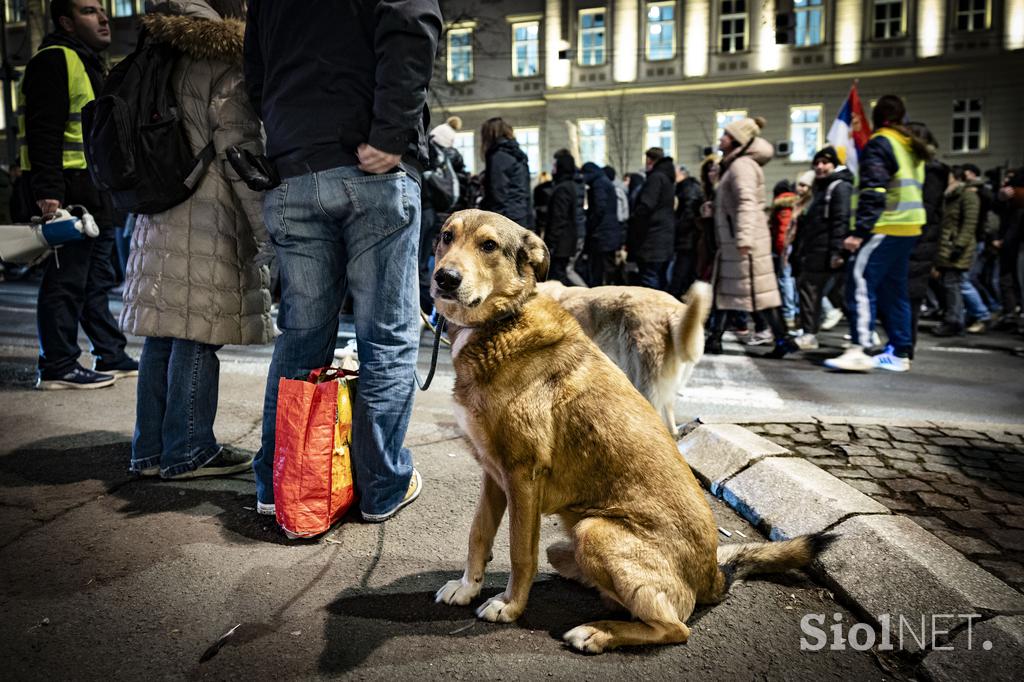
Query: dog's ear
[(437, 235), (535, 252)]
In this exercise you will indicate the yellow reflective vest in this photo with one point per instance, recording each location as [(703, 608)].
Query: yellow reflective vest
[(904, 196), (80, 93)]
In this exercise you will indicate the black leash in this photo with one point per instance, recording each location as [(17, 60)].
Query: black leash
[(438, 330)]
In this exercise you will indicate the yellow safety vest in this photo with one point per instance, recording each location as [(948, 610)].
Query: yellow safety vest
[(904, 197), (80, 93)]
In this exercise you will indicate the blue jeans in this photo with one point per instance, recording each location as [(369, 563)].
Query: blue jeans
[(976, 308), (876, 286), (176, 402), (343, 228), (653, 275)]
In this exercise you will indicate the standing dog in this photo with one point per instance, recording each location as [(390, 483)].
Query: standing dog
[(653, 337), (558, 429)]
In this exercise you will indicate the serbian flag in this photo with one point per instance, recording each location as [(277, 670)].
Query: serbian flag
[(850, 131)]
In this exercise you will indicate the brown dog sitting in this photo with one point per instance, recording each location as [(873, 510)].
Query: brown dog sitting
[(558, 429)]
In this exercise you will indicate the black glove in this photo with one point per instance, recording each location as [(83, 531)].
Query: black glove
[(258, 173)]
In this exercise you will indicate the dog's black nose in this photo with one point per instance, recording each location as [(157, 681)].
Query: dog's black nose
[(448, 279)]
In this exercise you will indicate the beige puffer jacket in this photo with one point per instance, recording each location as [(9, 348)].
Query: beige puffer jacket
[(190, 272), (744, 283)]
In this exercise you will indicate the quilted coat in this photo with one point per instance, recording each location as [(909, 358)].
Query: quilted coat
[(190, 272), (744, 283)]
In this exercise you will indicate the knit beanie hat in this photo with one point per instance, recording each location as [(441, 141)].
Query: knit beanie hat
[(444, 134), (806, 178), (828, 154), (745, 129)]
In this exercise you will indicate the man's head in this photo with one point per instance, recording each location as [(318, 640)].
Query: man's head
[(681, 173), (653, 156), (889, 111), (85, 20), (971, 172), (825, 162)]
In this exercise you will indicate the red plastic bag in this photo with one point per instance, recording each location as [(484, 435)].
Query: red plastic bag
[(312, 468)]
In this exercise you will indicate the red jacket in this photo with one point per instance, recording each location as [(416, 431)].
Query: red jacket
[(780, 220)]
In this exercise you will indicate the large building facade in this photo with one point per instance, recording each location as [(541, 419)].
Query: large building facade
[(609, 78)]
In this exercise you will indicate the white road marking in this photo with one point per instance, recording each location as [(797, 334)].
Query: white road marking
[(731, 380)]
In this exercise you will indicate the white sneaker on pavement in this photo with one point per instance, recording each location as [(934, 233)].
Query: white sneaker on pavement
[(832, 318), (807, 342), (853, 359), (888, 361), (761, 338)]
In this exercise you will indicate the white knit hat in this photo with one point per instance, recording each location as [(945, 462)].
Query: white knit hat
[(745, 129), (444, 135)]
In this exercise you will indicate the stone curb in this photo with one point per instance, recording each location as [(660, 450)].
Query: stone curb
[(881, 563), (1015, 428)]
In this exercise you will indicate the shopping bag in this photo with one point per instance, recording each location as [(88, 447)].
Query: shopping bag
[(312, 468)]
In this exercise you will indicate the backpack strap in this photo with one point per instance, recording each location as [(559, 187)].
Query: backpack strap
[(828, 196)]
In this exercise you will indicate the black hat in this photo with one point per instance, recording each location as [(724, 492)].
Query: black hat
[(827, 153)]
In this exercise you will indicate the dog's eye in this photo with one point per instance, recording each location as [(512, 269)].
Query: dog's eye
[(447, 236), (489, 246)]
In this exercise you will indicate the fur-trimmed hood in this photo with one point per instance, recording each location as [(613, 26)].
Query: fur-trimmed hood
[(198, 31)]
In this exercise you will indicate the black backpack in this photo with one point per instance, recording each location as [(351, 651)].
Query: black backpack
[(136, 146), (440, 183)]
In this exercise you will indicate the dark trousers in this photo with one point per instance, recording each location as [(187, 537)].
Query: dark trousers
[(772, 317), (558, 271), (952, 281), (811, 288), (1009, 287), (684, 272), (74, 291), (602, 268), (652, 275), (429, 227)]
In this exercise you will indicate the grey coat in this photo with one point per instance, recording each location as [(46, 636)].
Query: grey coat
[(190, 272)]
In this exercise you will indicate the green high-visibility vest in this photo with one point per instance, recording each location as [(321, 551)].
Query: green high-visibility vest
[(904, 196), (80, 93)]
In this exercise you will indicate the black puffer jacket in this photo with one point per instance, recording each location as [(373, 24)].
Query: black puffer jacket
[(507, 182), (652, 224), (926, 250), (604, 231), (561, 234), (689, 198), (825, 224)]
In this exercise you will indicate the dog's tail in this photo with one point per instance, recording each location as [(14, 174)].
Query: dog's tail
[(739, 561), (689, 329)]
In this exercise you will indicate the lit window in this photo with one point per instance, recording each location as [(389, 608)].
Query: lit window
[(466, 144), (809, 22), (733, 26), (661, 133), (460, 55), (122, 8), (591, 38), (529, 142), (526, 49), (15, 11), (661, 30), (804, 132), (888, 20), (724, 118), (967, 126), (592, 143), (971, 15)]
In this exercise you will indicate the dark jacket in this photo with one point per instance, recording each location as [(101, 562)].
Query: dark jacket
[(604, 231), (825, 223), (507, 182), (652, 225), (926, 249), (959, 222), (541, 198), (561, 235), (327, 76), (689, 198), (47, 107)]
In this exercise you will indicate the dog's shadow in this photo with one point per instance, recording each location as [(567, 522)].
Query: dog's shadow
[(362, 619)]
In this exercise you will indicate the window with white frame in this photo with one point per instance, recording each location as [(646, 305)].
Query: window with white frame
[(529, 142), (591, 43), (123, 8), (972, 15), (661, 133), (466, 144), (525, 49), (724, 118), (460, 55), (810, 22), (15, 11), (805, 131), (661, 30), (967, 126), (732, 26), (887, 19), (592, 140)]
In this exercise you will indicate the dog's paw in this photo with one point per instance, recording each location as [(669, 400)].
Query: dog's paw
[(497, 610), (457, 592), (587, 639)]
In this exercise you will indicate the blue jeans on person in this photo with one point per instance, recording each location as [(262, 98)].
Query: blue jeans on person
[(877, 289), (787, 287), (653, 275), (176, 403), (336, 229), (977, 311)]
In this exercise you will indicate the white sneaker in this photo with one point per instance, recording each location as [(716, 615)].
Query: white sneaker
[(266, 509), (832, 318), (807, 342), (891, 363), (761, 338), (854, 359), (876, 340)]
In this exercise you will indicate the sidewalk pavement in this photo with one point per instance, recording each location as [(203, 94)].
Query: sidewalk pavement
[(109, 577)]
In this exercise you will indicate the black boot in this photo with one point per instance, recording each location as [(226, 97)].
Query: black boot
[(783, 347), (713, 345)]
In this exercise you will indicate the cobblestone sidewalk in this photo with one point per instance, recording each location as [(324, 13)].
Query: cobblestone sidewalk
[(965, 486)]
